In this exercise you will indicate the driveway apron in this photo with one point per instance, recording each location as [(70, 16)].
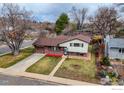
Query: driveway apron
[(24, 64)]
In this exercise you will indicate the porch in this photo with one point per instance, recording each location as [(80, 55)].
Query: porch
[(50, 50)]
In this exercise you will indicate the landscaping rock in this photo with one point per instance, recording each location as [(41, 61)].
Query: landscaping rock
[(105, 81), (120, 82)]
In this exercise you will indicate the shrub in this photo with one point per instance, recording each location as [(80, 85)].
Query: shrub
[(117, 59), (111, 75), (54, 55), (102, 73), (106, 61)]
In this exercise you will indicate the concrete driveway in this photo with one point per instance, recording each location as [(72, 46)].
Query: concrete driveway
[(24, 64)]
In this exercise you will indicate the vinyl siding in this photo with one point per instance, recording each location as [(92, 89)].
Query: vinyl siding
[(114, 53), (80, 49)]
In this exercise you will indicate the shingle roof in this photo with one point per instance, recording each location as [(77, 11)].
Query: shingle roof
[(116, 43), (59, 39), (84, 38)]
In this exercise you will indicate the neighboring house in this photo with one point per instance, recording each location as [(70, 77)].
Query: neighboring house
[(75, 45), (0, 36), (114, 47), (32, 33)]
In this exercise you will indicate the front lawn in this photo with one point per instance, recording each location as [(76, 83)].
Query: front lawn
[(9, 59), (44, 65), (78, 69)]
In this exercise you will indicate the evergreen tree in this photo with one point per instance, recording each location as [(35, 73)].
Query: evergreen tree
[(61, 23)]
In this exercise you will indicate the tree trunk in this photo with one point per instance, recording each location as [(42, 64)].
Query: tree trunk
[(78, 26), (16, 52)]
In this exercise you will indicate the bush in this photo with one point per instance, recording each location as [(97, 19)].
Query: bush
[(105, 61), (102, 73), (54, 55), (117, 59), (112, 75)]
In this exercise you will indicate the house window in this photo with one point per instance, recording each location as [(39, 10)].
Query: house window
[(70, 44), (54, 49), (120, 50), (76, 44), (82, 45)]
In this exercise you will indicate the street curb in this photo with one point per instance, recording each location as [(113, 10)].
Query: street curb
[(4, 54), (54, 79)]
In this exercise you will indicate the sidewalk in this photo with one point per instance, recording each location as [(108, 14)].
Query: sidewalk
[(2, 69), (55, 79), (57, 67)]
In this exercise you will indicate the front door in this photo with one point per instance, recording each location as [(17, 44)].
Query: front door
[(65, 51)]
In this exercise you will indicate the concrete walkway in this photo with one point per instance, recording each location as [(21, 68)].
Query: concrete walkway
[(24, 64), (55, 79), (2, 70), (57, 66)]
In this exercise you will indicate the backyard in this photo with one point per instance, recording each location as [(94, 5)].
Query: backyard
[(44, 65), (9, 60), (78, 69)]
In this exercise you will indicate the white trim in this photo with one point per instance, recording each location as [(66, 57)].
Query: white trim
[(72, 40)]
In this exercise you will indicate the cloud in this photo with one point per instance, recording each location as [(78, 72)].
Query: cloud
[(51, 11)]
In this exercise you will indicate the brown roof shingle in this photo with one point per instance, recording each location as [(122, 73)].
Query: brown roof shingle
[(59, 39)]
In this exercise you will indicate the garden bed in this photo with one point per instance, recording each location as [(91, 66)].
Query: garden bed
[(78, 69), (9, 59), (44, 65)]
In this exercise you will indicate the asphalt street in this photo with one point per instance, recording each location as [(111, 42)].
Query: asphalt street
[(5, 48), (17, 80)]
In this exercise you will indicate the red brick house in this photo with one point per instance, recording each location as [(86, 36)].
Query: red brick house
[(63, 44)]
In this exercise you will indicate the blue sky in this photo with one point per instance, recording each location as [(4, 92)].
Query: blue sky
[(51, 11)]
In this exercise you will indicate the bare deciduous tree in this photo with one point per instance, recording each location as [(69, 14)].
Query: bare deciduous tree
[(14, 24), (79, 16), (105, 20)]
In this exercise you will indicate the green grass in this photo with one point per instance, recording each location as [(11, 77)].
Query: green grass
[(92, 51), (44, 65), (78, 69), (90, 47), (9, 59)]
